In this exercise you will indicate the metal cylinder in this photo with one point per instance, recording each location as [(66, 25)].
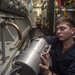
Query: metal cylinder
[(30, 59)]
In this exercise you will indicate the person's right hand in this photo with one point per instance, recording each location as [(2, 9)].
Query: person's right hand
[(45, 65)]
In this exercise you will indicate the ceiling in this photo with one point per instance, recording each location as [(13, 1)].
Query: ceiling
[(37, 1)]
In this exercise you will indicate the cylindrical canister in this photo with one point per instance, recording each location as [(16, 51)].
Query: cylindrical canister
[(30, 58)]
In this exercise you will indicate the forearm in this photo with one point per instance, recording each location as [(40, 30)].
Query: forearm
[(54, 74), (50, 73), (47, 72)]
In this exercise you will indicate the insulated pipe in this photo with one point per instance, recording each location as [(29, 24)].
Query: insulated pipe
[(15, 26)]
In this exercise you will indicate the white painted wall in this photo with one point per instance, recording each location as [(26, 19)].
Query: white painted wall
[(38, 10)]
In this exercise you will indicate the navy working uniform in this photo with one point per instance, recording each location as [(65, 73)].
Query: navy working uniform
[(62, 63)]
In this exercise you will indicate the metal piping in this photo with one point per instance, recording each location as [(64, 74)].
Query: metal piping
[(3, 24), (15, 26)]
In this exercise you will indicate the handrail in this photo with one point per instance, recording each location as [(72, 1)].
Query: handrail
[(15, 26)]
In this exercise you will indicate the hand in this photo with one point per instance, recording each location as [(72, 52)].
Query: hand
[(45, 65)]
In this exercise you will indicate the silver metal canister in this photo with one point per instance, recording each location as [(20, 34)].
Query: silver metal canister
[(30, 58)]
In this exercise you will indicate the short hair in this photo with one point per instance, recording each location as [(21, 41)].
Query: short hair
[(67, 20)]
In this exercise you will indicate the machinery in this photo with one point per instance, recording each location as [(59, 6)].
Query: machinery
[(16, 33), (15, 29)]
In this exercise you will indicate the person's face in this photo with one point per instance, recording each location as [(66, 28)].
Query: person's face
[(64, 32)]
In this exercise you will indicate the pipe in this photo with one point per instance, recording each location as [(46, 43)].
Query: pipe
[(15, 26), (3, 44)]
